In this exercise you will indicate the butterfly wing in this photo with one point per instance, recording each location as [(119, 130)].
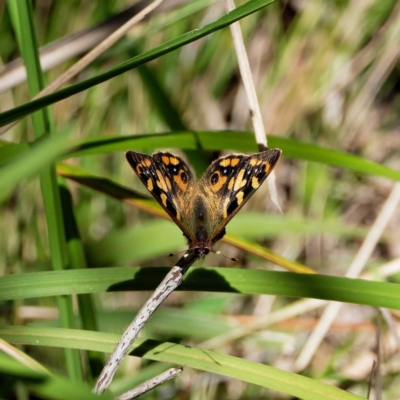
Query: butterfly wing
[(230, 181), (168, 178)]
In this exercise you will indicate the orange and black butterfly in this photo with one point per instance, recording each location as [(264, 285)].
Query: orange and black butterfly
[(202, 208)]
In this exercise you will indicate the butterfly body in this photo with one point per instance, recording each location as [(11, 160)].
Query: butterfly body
[(202, 208)]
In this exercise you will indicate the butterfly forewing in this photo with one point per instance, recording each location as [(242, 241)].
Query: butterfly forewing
[(167, 177), (180, 176), (233, 180)]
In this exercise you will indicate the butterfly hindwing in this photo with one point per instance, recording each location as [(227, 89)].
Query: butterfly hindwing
[(167, 177)]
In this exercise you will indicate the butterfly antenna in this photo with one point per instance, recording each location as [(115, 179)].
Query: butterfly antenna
[(223, 255)]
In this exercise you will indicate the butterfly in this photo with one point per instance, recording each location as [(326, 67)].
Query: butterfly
[(202, 208)]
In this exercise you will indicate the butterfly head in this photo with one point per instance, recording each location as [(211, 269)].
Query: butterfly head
[(200, 251)]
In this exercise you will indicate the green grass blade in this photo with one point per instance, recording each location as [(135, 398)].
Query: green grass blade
[(24, 163), (42, 126), (87, 309), (182, 140), (8, 151), (224, 280), (235, 141), (210, 361)]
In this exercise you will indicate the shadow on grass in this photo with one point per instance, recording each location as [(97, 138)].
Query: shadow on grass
[(150, 278)]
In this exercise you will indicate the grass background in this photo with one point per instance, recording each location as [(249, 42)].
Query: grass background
[(80, 240)]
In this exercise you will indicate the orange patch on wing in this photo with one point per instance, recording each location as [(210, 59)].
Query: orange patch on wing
[(240, 182), (182, 185), (253, 162), (147, 162), (173, 160), (164, 199), (231, 182), (225, 208), (267, 167), (254, 182), (165, 160), (149, 185), (239, 197), (225, 163), (161, 182), (235, 161), (178, 214), (168, 182), (221, 182)]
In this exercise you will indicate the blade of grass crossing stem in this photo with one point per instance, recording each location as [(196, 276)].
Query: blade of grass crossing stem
[(22, 16)]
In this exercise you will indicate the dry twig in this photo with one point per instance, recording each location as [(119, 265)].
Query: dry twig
[(150, 384), (173, 279)]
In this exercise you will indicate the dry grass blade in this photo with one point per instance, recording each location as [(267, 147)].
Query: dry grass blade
[(20, 356), (150, 384), (389, 54), (355, 269)]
